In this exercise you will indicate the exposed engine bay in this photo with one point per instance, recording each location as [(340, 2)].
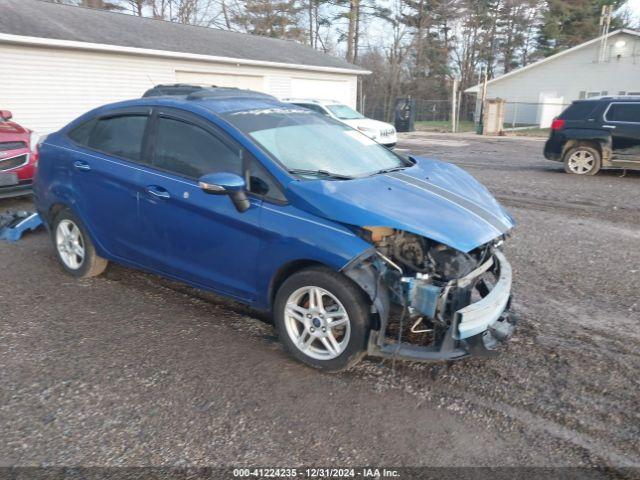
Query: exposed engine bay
[(459, 301), (417, 254)]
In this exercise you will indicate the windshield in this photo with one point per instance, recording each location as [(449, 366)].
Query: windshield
[(303, 141), (343, 112)]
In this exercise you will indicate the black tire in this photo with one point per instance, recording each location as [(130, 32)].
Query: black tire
[(91, 264), (352, 298), (588, 150)]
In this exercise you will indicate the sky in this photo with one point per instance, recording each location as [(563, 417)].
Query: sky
[(634, 7)]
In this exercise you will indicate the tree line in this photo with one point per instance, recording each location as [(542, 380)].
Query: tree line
[(413, 47)]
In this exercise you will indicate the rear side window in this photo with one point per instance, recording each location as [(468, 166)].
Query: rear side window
[(188, 150), (120, 136), (81, 133), (578, 111), (624, 112)]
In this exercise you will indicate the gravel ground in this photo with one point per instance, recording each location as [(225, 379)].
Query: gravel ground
[(131, 369)]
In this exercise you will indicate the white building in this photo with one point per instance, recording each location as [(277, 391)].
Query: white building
[(535, 94), (58, 61)]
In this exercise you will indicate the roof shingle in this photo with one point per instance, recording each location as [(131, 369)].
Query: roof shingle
[(37, 18)]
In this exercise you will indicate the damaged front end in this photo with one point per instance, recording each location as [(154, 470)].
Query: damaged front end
[(431, 301)]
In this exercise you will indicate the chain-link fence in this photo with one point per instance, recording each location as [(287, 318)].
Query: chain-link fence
[(523, 115), (435, 114)]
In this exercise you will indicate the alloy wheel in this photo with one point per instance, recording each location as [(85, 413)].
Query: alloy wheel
[(581, 162), (317, 323), (70, 244)]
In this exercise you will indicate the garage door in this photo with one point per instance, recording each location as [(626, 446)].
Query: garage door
[(250, 82), (321, 89)]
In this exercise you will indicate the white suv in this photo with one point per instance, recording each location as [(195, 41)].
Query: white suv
[(381, 132)]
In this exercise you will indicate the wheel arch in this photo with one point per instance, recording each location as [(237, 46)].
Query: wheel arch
[(598, 144), (54, 210), (285, 271), (59, 206)]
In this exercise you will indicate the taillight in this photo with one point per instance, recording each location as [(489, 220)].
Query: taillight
[(557, 124)]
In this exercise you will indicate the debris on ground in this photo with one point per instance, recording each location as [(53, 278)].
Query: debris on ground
[(13, 224)]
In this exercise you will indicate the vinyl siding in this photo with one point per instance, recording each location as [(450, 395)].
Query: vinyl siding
[(535, 95), (46, 88), (578, 71)]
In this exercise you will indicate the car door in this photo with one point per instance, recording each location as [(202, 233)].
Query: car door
[(104, 158), (623, 119), (191, 235)]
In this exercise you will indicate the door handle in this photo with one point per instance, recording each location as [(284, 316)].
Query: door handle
[(158, 192), (609, 126), (81, 165)]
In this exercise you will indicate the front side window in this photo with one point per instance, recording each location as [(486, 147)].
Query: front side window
[(300, 140), (262, 183), (120, 136), (190, 151), (343, 112), (624, 112)]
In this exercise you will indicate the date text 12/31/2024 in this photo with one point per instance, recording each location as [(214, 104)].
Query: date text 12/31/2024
[(317, 472)]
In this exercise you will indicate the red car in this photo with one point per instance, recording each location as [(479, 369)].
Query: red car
[(18, 157)]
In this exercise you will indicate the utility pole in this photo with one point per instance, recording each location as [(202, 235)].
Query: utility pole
[(454, 108), (480, 129)]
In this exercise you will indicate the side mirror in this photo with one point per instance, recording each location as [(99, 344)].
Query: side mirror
[(223, 183), (6, 114)]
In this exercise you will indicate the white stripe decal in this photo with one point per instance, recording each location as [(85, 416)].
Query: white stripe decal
[(308, 220), (448, 200), (438, 187)]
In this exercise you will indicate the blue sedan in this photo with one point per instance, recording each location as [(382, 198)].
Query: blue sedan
[(353, 248)]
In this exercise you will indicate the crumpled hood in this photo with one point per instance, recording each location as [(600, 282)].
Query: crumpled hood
[(434, 199)]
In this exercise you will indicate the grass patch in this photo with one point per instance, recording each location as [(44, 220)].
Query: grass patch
[(530, 132), (443, 126)]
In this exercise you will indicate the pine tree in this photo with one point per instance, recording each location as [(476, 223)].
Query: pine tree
[(279, 19), (567, 23)]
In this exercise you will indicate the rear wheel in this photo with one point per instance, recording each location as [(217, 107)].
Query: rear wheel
[(582, 160), (74, 247), (322, 319)]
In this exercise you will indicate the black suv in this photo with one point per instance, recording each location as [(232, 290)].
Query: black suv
[(597, 133)]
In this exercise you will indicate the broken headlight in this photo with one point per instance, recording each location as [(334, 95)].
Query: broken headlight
[(420, 255)]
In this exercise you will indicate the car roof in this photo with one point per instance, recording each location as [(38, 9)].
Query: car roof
[(610, 98), (312, 100), (215, 99)]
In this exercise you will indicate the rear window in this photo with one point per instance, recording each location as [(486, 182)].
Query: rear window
[(624, 112), (119, 136), (578, 111)]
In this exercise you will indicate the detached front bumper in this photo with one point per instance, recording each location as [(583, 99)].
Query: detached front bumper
[(478, 317), (475, 329)]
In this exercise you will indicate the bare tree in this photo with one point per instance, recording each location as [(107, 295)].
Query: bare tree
[(137, 6)]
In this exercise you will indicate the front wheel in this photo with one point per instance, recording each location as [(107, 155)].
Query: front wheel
[(322, 319), (582, 160)]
